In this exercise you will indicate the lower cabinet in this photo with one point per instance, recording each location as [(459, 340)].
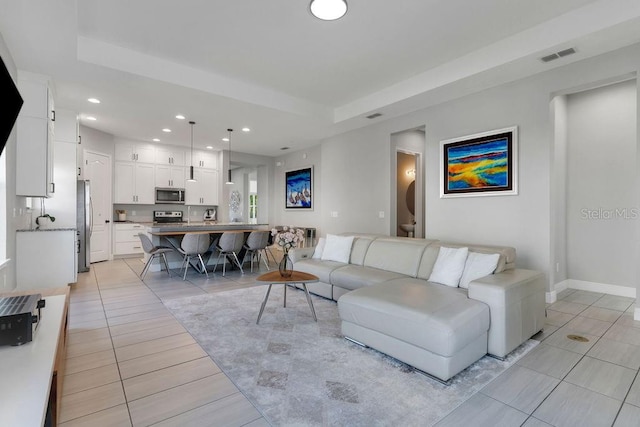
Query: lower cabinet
[(46, 258), (126, 240)]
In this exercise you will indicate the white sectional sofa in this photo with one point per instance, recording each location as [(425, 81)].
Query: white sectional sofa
[(386, 302)]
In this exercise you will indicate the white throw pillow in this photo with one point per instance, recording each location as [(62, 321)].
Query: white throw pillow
[(477, 266), (337, 248), (449, 266), (317, 254)]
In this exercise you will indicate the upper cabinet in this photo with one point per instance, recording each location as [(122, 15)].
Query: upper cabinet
[(134, 183), (203, 159), (35, 130), (140, 167), (135, 152), (172, 156)]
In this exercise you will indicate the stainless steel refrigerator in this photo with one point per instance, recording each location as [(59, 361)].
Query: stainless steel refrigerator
[(84, 225)]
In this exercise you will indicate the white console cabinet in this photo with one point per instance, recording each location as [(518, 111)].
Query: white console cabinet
[(45, 258)]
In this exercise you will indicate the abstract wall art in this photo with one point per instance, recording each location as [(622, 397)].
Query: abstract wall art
[(299, 189), (483, 164)]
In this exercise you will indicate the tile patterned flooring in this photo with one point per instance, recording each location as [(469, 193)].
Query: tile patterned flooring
[(131, 363), (563, 382)]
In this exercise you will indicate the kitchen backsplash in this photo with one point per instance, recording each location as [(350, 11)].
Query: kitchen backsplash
[(144, 213)]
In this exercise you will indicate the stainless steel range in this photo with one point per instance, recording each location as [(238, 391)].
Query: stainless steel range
[(167, 217)]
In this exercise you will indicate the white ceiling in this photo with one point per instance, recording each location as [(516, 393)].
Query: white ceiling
[(291, 78)]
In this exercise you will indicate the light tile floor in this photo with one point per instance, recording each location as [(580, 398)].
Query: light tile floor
[(563, 382), (130, 362)]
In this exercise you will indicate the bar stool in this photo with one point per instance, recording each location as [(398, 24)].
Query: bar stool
[(153, 252), (230, 244), (194, 245), (255, 246)]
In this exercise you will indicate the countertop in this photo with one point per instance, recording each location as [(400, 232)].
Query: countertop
[(47, 229), (206, 226), (26, 370)]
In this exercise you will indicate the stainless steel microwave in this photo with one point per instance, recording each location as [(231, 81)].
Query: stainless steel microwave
[(169, 196)]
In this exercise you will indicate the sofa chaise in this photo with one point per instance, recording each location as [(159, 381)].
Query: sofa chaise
[(387, 302)]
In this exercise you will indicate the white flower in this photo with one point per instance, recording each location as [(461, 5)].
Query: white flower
[(289, 237)]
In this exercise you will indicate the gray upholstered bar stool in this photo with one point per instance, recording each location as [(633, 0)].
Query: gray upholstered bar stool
[(256, 247), (194, 245), (229, 246), (153, 252)]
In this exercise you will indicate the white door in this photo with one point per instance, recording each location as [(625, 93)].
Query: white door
[(97, 169)]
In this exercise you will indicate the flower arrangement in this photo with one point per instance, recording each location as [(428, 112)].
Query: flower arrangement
[(288, 237)]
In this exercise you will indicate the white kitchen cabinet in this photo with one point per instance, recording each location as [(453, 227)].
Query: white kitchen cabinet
[(35, 130), (126, 240), (45, 258), (170, 176), (205, 190), (170, 156), (138, 152), (134, 183), (203, 159)]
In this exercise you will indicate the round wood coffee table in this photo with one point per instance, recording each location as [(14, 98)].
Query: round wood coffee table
[(274, 278)]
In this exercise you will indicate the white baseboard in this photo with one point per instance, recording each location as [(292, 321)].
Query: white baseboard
[(583, 285), (551, 297)]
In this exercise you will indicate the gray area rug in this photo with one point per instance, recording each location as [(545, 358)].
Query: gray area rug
[(301, 373)]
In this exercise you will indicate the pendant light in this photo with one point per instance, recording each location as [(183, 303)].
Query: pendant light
[(191, 178), (229, 181), (328, 10)]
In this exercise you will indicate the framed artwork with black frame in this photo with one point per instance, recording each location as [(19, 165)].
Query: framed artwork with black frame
[(483, 164), (299, 189)]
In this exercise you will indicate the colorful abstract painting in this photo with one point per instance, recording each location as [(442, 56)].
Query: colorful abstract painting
[(299, 189), (482, 164)]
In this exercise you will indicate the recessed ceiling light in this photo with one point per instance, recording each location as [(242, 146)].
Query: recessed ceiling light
[(91, 118), (328, 10), (209, 147), (246, 130), (94, 100), (180, 117), (225, 139), (156, 140), (166, 130)]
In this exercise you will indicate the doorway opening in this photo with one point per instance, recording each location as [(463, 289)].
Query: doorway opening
[(407, 186)]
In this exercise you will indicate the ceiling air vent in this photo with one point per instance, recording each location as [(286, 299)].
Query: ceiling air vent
[(558, 55), (374, 116)]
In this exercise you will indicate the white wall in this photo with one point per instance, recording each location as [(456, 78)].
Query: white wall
[(601, 188), (12, 203), (292, 161), (354, 171), (96, 141), (558, 190)]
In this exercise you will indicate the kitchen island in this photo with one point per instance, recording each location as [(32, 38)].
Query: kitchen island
[(202, 227), (171, 235)]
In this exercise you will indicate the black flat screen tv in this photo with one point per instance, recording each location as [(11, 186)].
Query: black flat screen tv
[(10, 104)]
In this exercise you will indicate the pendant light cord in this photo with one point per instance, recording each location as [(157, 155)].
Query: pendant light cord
[(192, 123)]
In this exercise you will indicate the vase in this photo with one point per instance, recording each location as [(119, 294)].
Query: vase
[(286, 266)]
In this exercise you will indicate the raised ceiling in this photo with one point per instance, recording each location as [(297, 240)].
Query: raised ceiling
[(291, 78)]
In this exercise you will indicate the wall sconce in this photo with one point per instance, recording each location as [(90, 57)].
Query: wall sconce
[(411, 172)]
